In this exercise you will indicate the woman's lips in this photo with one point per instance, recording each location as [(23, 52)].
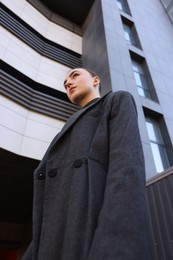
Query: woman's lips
[(72, 89)]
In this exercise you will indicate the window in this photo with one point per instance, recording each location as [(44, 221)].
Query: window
[(168, 5), (157, 144), (129, 34), (123, 6), (141, 79), (120, 6)]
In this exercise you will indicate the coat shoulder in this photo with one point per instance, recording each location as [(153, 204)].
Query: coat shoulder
[(119, 97), (118, 94), (120, 100)]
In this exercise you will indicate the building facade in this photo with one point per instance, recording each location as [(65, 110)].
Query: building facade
[(129, 44)]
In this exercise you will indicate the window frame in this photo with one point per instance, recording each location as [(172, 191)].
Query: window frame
[(165, 141), (128, 24), (158, 146), (123, 6), (140, 72), (128, 30), (149, 90)]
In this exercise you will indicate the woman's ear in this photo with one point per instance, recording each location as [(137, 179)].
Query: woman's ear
[(96, 81)]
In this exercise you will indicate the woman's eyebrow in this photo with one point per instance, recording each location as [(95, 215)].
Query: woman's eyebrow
[(71, 74)]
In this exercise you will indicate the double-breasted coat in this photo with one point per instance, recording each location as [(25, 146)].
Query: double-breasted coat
[(89, 189)]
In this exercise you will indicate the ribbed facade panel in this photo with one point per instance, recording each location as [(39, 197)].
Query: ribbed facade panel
[(35, 100), (36, 41), (160, 198)]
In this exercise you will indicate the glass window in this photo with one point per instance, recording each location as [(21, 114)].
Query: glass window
[(157, 145), (166, 3), (120, 6), (141, 80), (123, 6), (129, 34)]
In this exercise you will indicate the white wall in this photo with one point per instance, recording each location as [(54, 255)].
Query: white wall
[(25, 132), (22, 131), (26, 60), (43, 26)]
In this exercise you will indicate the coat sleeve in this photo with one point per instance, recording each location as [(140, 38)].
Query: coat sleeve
[(121, 230), (28, 254)]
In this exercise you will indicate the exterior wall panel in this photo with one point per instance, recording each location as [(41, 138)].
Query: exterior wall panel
[(36, 41), (94, 49), (160, 198)]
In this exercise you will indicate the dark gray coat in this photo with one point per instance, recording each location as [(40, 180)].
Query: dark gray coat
[(89, 193)]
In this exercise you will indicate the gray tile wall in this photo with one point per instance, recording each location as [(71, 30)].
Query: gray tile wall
[(94, 52), (156, 35), (106, 51)]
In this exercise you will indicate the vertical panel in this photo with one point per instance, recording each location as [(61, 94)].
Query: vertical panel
[(160, 199), (94, 52)]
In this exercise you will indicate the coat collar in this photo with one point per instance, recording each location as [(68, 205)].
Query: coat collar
[(70, 122)]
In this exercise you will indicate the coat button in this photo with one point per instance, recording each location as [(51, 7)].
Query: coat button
[(77, 163), (41, 176), (52, 173)]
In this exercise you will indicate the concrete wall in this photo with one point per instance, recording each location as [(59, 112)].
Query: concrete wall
[(94, 49), (155, 34)]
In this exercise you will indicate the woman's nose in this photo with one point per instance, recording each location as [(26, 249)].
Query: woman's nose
[(69, 83)]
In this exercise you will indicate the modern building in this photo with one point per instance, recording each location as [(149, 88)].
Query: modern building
[(130, 45)]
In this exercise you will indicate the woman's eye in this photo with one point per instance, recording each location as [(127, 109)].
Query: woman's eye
[(75, 74)]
